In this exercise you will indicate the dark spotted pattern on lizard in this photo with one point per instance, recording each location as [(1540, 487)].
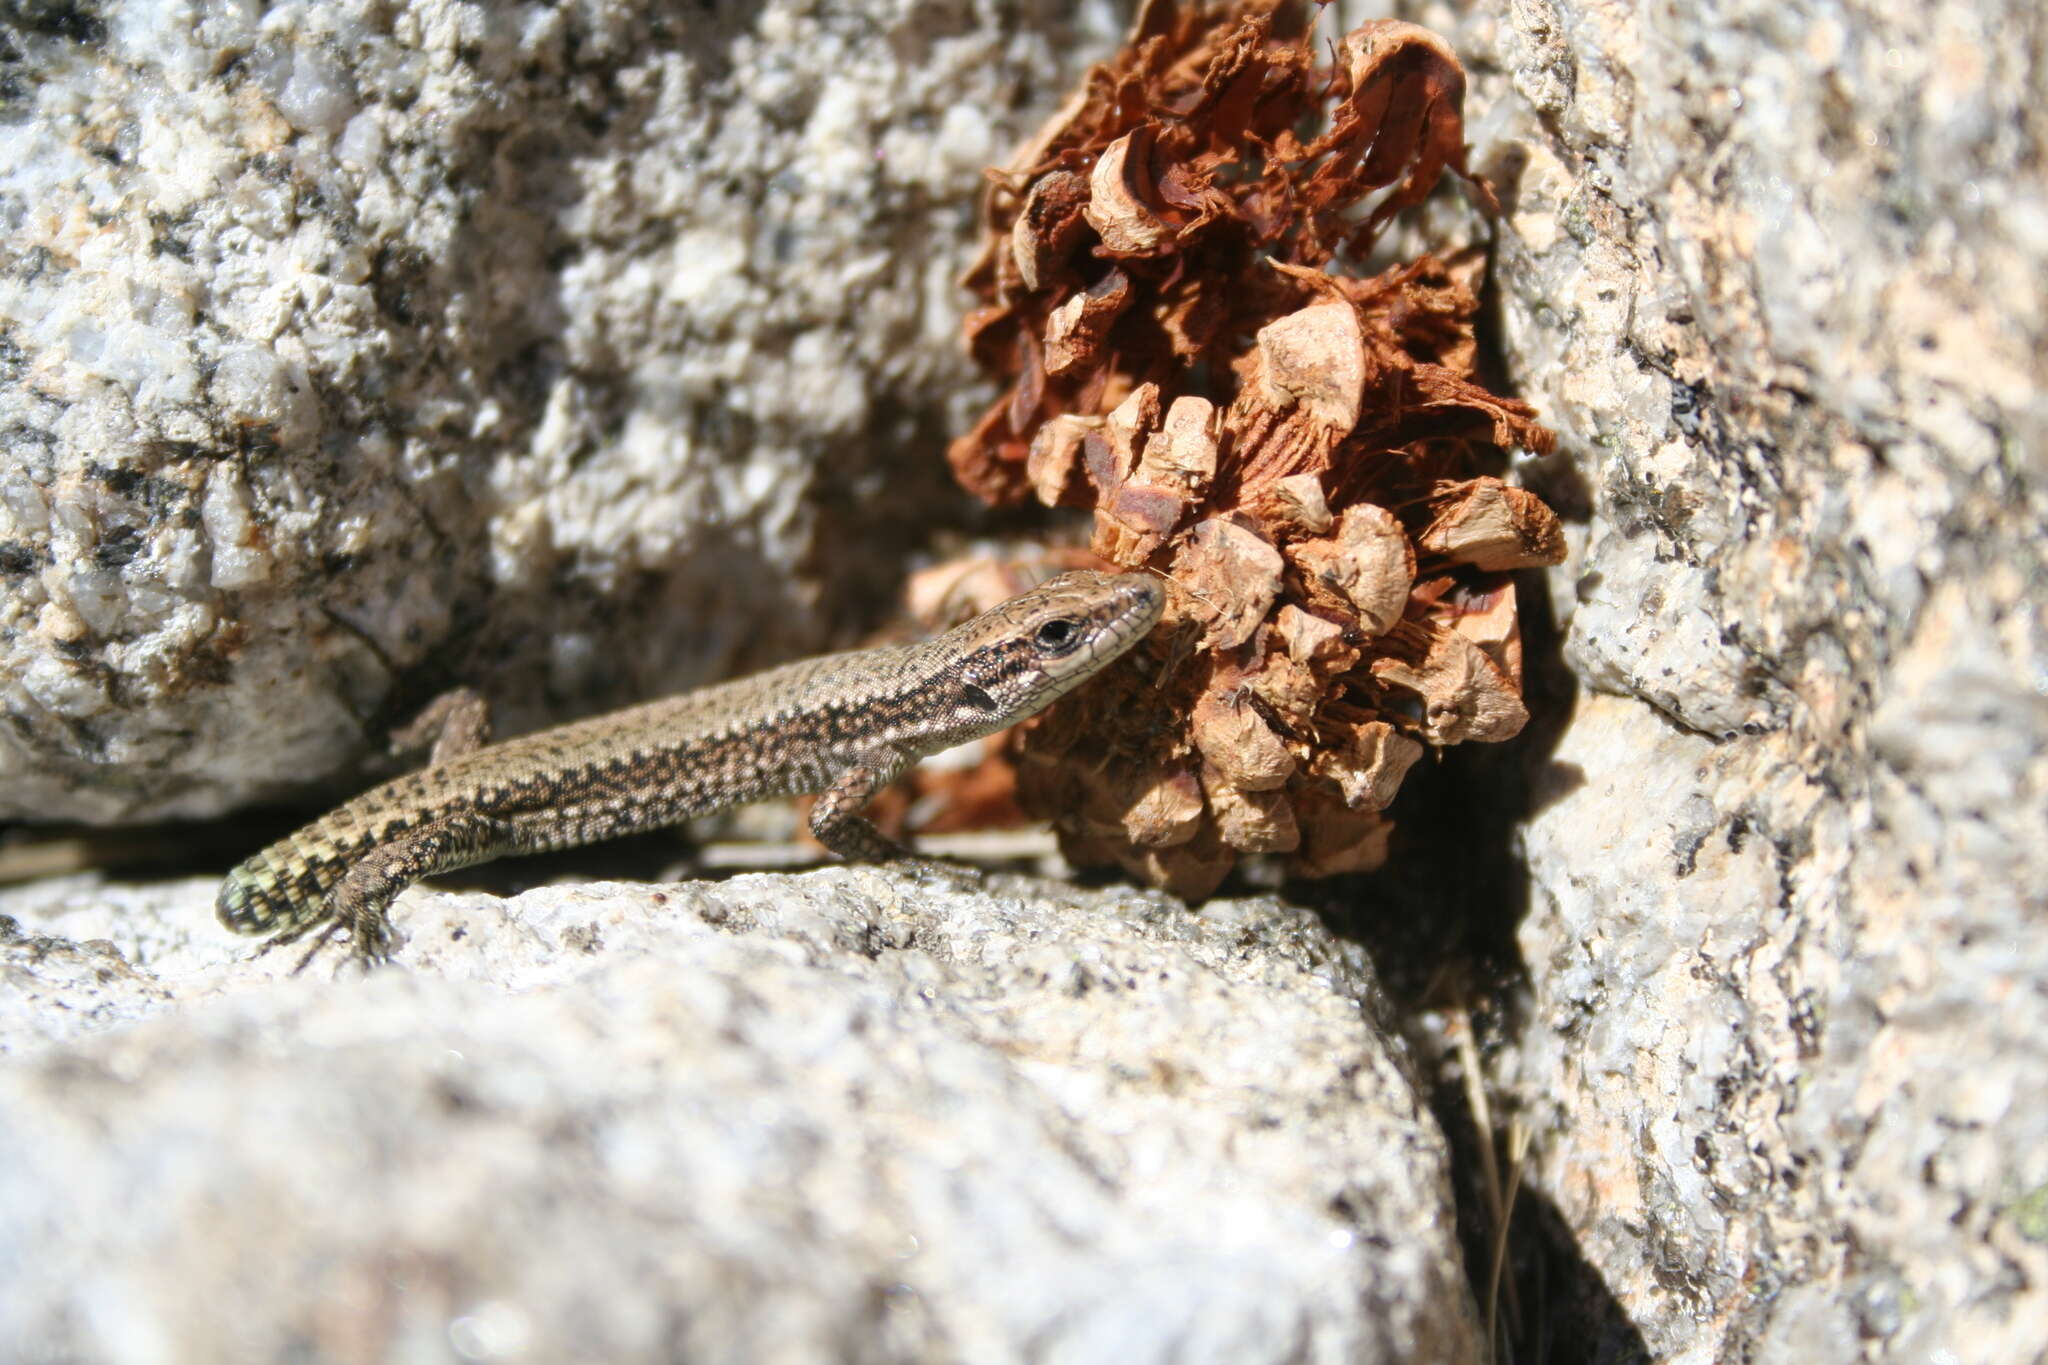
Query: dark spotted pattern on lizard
[(844, 725)]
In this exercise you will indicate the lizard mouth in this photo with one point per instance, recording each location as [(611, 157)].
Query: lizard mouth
[(1135, 606)]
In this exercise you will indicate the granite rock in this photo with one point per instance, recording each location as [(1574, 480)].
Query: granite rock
[(832, 1116), (352, 350), (1774, 271)]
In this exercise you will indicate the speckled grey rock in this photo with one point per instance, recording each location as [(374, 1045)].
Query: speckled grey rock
[(349, 350), (834, 1116), (1775, 271)]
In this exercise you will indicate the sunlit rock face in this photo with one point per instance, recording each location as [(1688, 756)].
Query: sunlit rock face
[(349, 350), (1773, 273)]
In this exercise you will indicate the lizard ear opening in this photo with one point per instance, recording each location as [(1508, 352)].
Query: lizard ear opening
[(978, 698)]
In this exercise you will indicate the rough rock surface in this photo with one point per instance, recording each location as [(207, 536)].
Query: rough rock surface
[(835, 1116), (349, 350), (1774, 270)]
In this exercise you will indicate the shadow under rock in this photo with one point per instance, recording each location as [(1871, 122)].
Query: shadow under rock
[(1567, 1315), (1553, 1306), (1440, 917), (1440, 921)]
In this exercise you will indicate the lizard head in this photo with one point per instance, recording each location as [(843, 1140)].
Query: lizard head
[(1020, 657)]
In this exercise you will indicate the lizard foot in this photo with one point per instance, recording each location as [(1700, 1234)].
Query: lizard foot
[(367, 951), (322, 929), (329, 931), (370, 939)]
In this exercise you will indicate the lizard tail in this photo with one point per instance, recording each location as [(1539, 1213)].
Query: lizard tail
[(282, 888)]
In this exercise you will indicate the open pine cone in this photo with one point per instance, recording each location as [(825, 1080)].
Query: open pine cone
[(1298, 451)]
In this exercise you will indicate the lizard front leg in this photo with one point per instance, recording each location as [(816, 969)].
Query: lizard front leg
[(836, 821)]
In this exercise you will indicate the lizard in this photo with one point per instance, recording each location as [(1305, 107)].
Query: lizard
[(843, 725)]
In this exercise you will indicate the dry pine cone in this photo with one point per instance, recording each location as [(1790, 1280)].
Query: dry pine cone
[(1299, 451)]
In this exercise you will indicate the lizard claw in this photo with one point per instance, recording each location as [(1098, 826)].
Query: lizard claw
[(371, 942), (370, 946), (325, 935)]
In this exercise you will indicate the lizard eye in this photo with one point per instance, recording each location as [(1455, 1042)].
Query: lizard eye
[(1059, 635)]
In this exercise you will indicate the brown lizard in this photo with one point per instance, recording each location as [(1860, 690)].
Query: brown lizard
[(845, 725)]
